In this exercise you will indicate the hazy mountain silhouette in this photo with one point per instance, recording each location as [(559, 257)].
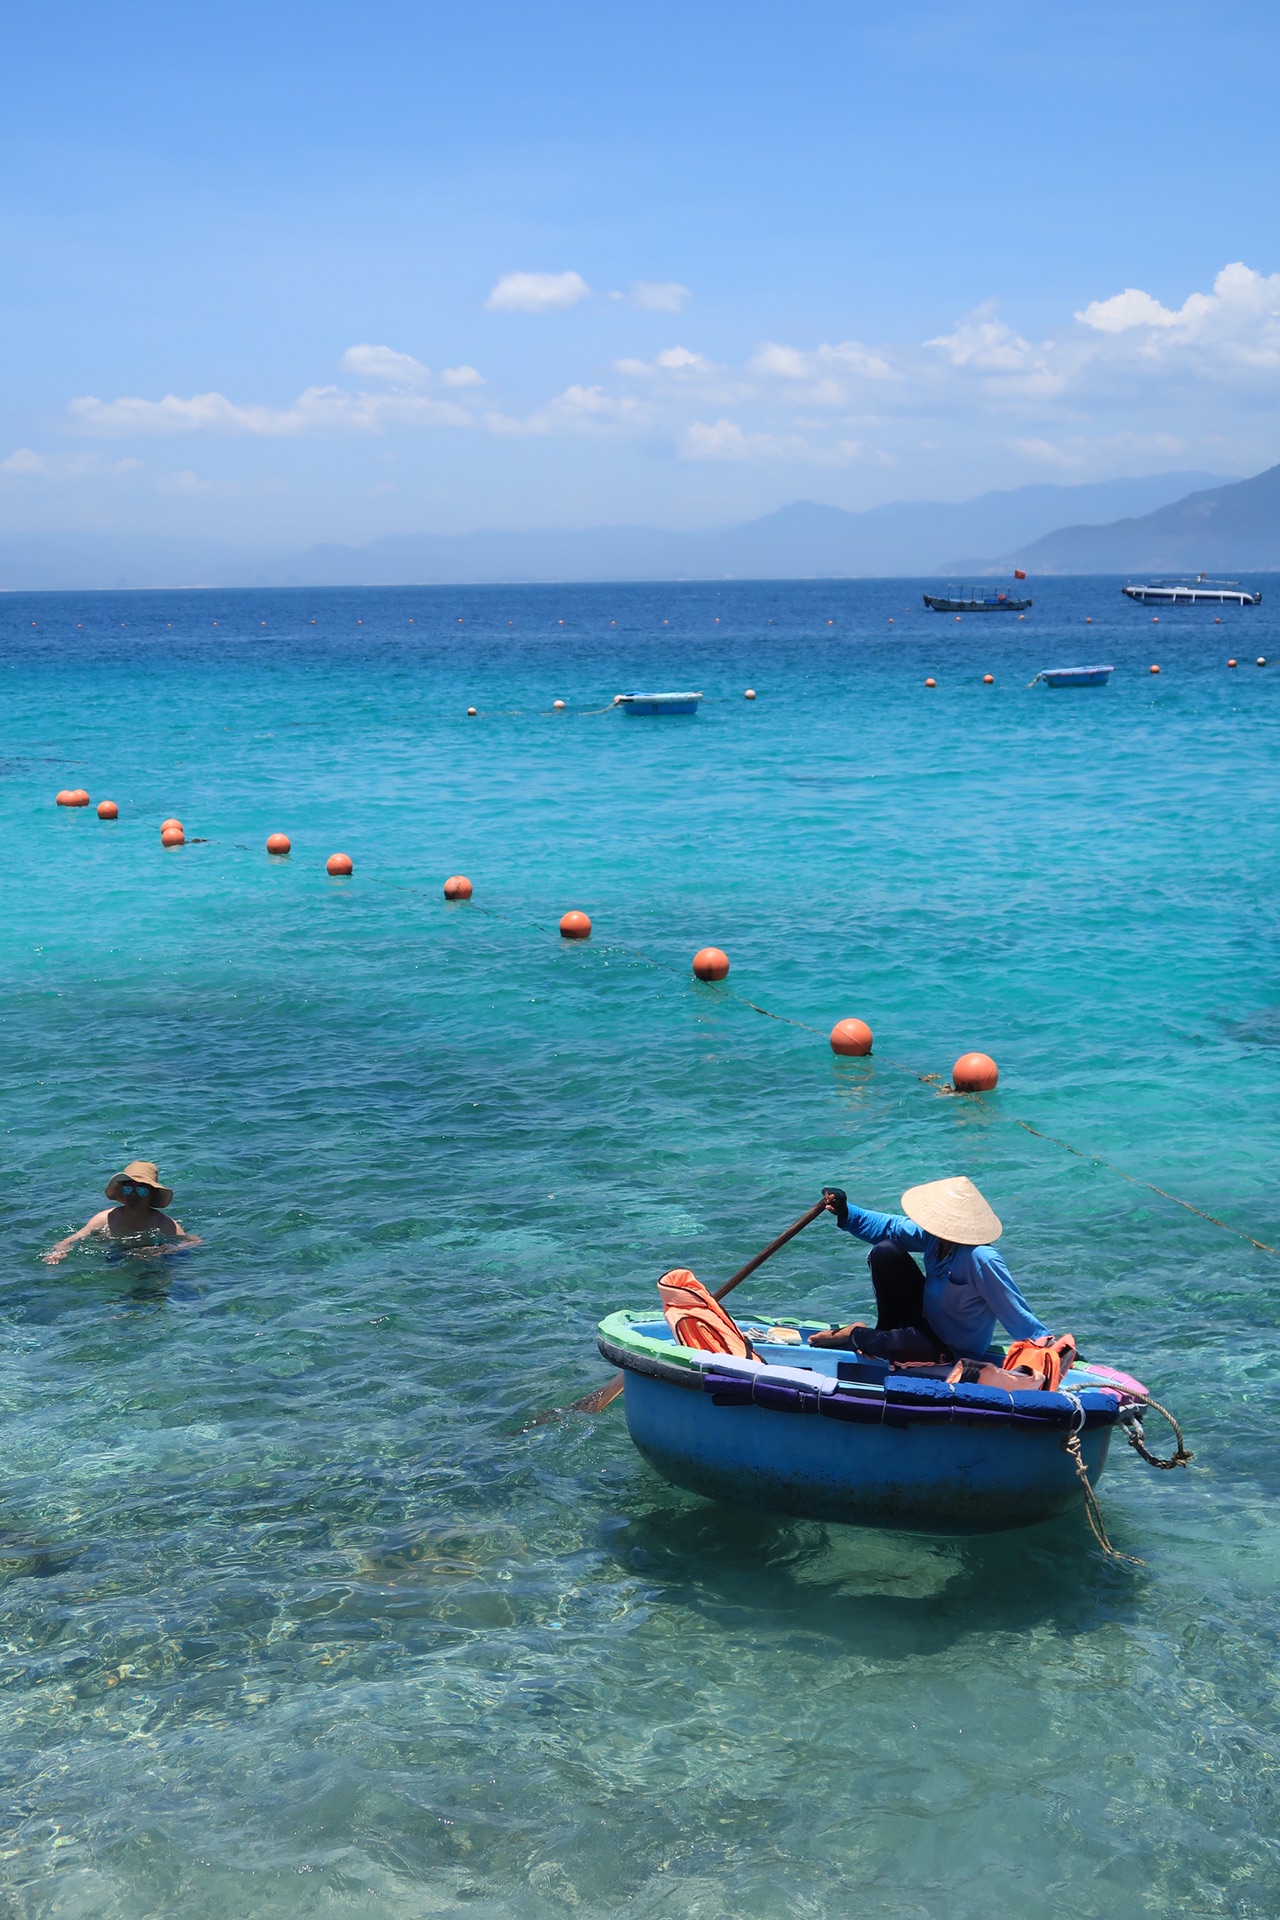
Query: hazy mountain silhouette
[(805, 540), (1230, 528)]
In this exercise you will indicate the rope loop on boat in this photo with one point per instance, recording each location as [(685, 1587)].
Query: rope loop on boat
[(1180, 1455), (1093, 1511)]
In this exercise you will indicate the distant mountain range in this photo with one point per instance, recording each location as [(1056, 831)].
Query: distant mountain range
[(1174, 522), (1233, 527)]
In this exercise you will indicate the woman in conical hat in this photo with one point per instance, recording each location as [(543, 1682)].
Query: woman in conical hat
[(137, 1221), (950, 1311)]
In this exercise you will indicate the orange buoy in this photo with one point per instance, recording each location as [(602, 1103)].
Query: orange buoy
[(931, 683), (457, 887), (709, 963), (988, 679), (166, 824), (173, 837), (76, 797), (974, 1073), (63, 797), (1088, 619), (750, 694), (575, 926), (957, 617), (108, 810), (471, 713), (1155, 619), (1217, 619), (278, 843), (557, 706), (1261, 662), (1154, 668), (851, 1037), (339, 863), (1231, 663)]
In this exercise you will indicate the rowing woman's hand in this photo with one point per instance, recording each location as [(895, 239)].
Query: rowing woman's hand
[(837, 1202)]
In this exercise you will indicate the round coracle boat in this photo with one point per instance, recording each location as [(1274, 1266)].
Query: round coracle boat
[(828, 1435)]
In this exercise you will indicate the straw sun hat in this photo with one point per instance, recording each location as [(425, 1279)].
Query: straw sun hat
[(952, 1210), (146, 1173)]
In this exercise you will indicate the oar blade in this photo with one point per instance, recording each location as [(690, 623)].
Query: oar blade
[(594, 1402)]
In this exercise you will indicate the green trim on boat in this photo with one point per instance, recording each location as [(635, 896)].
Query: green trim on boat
[(619, 1328)]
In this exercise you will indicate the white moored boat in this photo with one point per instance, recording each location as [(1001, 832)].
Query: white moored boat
[(1193, 590)]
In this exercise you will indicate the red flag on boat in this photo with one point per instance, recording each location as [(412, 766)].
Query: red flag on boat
[(1018, 574)]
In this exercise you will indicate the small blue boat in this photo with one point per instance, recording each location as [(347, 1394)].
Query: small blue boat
[(657, 703), (827, 1435), (1075, 676)]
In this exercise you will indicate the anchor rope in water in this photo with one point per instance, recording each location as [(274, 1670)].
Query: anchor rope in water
[(931, 1080), (1180, 1455)]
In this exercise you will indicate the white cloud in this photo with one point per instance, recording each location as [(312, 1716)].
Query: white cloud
[(586, 407), (1100, 451), (1236, 326), (987, 344), (463, 376), (678, 360), (384, 363), (1046, 453), (537, 292), (316, 410), (659, 296), (716, 440), (1132, 308), (778, 362), (25, 464)]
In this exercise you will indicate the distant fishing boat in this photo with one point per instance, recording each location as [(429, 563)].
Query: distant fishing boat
[(657, 703), (1192, 590), (976, 600), (885, 1450), (1075, 676)]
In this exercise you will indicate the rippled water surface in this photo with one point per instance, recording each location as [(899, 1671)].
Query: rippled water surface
[(295, 1620)]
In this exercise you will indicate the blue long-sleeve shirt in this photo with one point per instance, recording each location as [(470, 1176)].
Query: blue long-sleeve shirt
[(965, 1293)]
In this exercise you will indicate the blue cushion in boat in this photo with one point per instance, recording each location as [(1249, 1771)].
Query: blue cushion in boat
[(930, 1399), (982, 1402), (1047, 1409)]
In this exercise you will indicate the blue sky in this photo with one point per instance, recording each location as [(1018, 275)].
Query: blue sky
[(291, 273)]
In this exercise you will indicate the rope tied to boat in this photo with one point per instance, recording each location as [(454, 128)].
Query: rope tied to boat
[(1133, 1427), (1093, 1512)]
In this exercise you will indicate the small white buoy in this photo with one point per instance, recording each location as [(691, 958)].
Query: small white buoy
[(558, 705), (750, 694)]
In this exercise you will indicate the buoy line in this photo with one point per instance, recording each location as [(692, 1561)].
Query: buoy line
[(931, 1080)]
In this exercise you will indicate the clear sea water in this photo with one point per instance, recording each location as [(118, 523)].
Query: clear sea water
[(295, 1620)]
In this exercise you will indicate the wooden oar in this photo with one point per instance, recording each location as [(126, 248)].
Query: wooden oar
[(605, 1396)]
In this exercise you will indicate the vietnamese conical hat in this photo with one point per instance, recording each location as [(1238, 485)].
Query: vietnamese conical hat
[(952, 1210)]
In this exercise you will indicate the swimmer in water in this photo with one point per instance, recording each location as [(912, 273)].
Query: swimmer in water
[(137, 1223)]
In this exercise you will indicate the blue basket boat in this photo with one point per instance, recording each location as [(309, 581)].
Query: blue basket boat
[(1075, 676), (657, 703), (817, 1433)]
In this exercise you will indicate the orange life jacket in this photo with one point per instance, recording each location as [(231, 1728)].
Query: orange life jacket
[(1045, 1360), (696, 1317)]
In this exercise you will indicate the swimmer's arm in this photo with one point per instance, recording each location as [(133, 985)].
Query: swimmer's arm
[(98, 1224)]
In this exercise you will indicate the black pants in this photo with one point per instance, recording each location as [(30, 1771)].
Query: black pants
[(901, 1330)]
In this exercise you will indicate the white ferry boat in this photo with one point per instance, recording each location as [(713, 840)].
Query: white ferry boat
[(1193, 590)]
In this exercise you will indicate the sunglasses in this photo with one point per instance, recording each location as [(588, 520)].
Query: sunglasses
[(130, 1191)]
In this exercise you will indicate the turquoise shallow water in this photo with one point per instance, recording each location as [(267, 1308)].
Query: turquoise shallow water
[(295, 1621)]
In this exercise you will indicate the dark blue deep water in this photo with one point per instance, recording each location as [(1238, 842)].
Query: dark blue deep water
[(295, 1621)]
